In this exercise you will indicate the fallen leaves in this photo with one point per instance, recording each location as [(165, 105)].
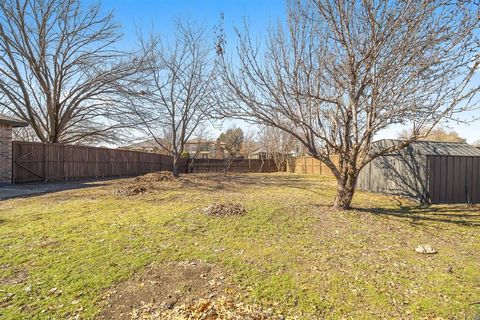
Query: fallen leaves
[(158, 176), (143, 184), (225, 209), (426, 249), (205, 309), (130, 190)]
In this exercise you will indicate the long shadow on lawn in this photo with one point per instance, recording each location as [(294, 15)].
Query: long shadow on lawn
[(232, 182), (34, 189), (466, 216)]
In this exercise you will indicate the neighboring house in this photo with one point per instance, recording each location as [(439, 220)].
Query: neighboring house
[(198, 148), (260, 153), (264, 153), (150, 145), (428, 171), (6, 153), (205, 149)]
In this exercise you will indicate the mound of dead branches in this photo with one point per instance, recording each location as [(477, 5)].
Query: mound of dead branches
[(130, 190), (225, 209), (145, 183), (158, 176), (221, 308)]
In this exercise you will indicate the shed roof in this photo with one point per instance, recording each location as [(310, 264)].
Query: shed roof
[(435, 147), (12, 121)]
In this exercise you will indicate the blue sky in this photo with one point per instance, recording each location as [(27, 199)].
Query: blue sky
[(159, 16)]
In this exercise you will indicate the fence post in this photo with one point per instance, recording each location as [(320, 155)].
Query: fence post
[(138, 163), (65, 178), (14, 170), (45, 162)]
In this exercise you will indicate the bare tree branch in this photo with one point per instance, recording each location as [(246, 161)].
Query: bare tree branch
[(175, 97), (59, 70), (339, 72)]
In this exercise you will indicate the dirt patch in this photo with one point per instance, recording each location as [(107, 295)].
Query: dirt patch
[(201, 181), (18, 277), (225, 209), (162, 288)]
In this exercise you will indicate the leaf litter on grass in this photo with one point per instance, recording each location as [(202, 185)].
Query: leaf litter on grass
[(225, 209), (143, 184), (206, 309)]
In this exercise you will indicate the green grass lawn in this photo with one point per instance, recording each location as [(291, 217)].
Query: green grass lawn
[(291, 251)]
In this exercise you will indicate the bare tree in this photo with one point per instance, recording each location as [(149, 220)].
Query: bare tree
[(436, 134), (174, 98), (59, 70), (279, 145), (25, 134), (233, 139), (338, 72), (249, 143)]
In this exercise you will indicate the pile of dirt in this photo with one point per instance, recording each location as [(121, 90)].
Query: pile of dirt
[(163, 287), (220, 308), (225, 209), (130, 190), (158, 176)]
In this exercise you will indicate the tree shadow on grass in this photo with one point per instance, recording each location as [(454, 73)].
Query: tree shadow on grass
[(233, 181), (460, 215), (34, 189)]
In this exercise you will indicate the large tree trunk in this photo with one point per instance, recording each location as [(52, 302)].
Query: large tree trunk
[(175, 165), (345, 191)]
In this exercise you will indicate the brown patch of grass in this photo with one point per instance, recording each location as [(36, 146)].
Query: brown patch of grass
[(163, 287)]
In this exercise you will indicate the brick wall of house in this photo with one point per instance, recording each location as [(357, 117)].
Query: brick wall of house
[(5, 153)]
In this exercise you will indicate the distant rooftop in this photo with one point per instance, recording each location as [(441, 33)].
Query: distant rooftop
[(12, 121), (151, 143)]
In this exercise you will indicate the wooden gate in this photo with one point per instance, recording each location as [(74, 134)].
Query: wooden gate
[(454, 179), (29, 160)]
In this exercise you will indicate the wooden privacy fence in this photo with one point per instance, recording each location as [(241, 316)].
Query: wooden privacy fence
[(312, 165), (237, 165), (33, 161)]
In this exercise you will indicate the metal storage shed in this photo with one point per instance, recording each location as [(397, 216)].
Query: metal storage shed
[(428, 171)]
